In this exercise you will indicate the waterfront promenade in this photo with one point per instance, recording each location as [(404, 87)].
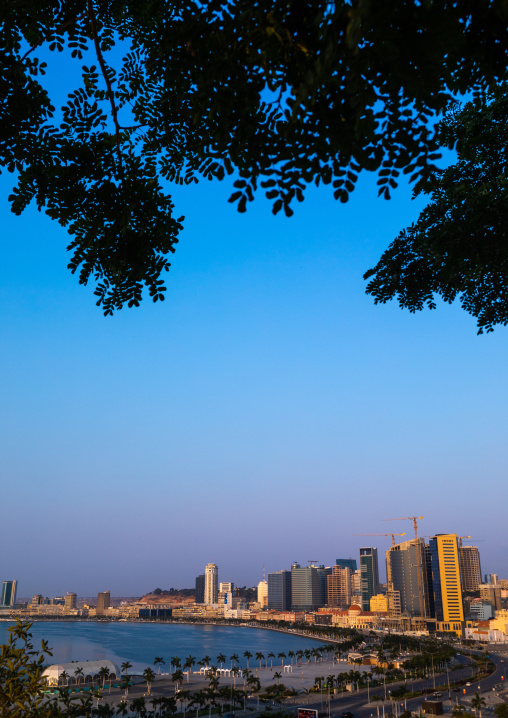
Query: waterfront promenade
[(302, 678)]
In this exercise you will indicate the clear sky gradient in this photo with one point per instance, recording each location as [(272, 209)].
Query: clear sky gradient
[(264, 413)]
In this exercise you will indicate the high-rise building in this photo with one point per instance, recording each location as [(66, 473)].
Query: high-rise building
[(491, 593), (70, 601), (346, 563), (279, 591), (9, 589), (409, 589), (211, 584), (356, 586), (339, 587), (470, 568), (37, 600), (103, 601), (226, 586), (263, 593), (306, 588), (369, 575), (491, 578), (200, 588), (323, 573), (446, 579)]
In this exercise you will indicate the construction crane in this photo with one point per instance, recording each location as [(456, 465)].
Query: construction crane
[(312, 561), (415, 520), (392, 535)]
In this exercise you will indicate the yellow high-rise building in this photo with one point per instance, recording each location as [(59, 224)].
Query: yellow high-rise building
[(446, 579)]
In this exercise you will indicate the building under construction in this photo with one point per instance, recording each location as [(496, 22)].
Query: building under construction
[(470, 568), (409, 577)]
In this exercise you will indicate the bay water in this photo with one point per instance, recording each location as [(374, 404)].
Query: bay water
[(140, 643)]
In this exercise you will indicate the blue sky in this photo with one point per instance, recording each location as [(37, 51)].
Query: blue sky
[(264, 413)]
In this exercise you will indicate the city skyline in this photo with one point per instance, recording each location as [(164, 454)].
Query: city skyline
[(202, 583), (434, 587)]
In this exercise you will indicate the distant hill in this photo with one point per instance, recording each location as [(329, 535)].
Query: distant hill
[(172, 592)]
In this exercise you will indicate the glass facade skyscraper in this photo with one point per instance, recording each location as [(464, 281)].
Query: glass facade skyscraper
[(369, 575), (279, 590), (200, 588), (347, 563), (306, 588), (9, 589)]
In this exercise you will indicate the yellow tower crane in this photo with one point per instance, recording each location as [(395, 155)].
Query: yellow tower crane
[(392, 535)]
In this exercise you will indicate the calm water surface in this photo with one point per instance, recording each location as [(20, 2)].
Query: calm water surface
[(139, 643)]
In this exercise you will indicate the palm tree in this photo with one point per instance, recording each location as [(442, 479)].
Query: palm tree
[(306, 692), (271, 656), (234, 657), (125, 666), (189, 662), (175, 662), (138, 705), (159, 660), (291, 655), (207, 660), (167, 705), (247, 655), (478, 702), (105, 711), (148, 675), (259, 657), (282, 655), (183, 697), (213, 682), (78, 672), (299, 654), (103, 674), (198, 699), (221, 658), (64, 676), (124, 685), (235, 671), (122, 709), (278, 676), (177, 678), (212, 698)]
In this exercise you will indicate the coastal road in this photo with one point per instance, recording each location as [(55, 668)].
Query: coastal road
[(356, 703)]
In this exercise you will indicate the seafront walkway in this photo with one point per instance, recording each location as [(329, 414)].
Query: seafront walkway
[(301, 677)]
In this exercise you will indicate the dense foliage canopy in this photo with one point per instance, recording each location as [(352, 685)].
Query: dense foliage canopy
[(459, 245), (280, 93)]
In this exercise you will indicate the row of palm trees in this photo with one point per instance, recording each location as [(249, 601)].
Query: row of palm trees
[(315, 653)]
